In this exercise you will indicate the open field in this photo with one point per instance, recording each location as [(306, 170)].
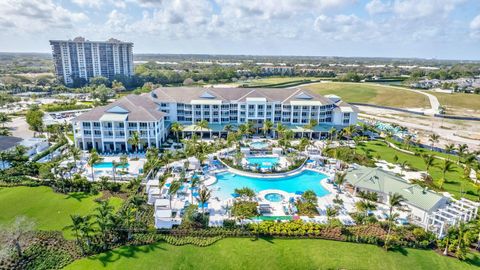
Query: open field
[(244, 253), (50, 210), (275, 80), (459, 103), (372, 93), (454, 183)]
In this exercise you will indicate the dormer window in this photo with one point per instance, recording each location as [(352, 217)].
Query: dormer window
[(207, 95)]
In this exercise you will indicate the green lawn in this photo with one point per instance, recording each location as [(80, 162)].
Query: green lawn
[(271, 254), (50, 210), (275, 80), (372, 93), (454, 183)]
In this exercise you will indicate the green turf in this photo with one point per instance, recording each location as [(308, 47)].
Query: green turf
[(459, 103), (454, 183), (372, 93), (271, 254), (50, 210)]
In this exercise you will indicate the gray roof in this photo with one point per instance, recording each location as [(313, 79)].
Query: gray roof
[(137, 107), (380, 181), (187, 94), (7, 142)]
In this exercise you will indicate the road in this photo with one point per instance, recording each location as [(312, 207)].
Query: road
[(434, 103)]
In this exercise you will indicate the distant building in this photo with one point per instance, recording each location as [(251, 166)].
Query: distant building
[(80, 58), (277, 70)]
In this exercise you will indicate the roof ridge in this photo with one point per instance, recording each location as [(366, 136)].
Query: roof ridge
[(244, 96), (298, 89)]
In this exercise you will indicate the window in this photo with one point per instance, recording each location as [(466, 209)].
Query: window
[(251, 107), (86, 124), (96, 124)]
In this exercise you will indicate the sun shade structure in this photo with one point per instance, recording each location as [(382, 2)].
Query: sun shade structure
[(385, 183)]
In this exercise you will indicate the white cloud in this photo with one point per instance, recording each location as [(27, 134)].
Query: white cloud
[(88, 3), (377, 7), (475, 26), (415, 9), (37, 15)]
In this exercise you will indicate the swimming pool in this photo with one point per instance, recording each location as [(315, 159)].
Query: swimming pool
[(108, 165), (263, 162), (259, 145), (306, 180), (274, 197)]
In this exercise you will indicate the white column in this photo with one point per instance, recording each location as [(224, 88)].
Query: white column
[(114, 137)]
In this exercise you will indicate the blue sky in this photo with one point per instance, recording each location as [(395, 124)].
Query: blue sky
[(446, 29)]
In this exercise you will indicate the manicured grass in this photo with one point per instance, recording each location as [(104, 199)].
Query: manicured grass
[(372, 93), (274, 80), (454, 183), (271, 254), (50, 210), (460, 103)]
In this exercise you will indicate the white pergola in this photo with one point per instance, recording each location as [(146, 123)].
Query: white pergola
[(456, 212)]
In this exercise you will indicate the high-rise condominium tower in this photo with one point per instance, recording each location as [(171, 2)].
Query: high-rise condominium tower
[(79, 59)]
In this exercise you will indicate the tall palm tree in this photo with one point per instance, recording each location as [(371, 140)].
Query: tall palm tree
[(280, 130), (195, 181), (395, 200), (267, 126), (407, 140), (365, 206), (176, 128), (433, 139), (311, 125), (332, 133), (461, 149), (173, 189), (92, 160), (429, 161), (134, 140), (447, 166), (242, 130), (250, 127), (340, 179), (75, 152), (104, 220), (203, 197)]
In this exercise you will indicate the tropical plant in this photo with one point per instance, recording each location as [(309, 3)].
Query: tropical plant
[(395, 200), (429, 161), (104, 220), (204, 195), (433, 139), (92, 160), (202, 125), (134, 140), (176, 128), (173, 189), (447, 166), (267, 126)]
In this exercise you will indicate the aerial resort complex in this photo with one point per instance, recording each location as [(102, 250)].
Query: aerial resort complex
[(254, 154), (240, 135)]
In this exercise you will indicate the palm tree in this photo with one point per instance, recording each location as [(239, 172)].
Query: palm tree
[(228, 128), (203, 197), (332, 133), (449, 148), (463, 241), (173, 189), (280, 129), (202, 125), (250, 127), (176, 128), (104, 221), (429, 161), (267, 126), (134, 140), (349, 131), (461, 149), (395, 200), (447, 166), (403, 165), (92, 160), (340, 179), (76, 226), (434, 138), (195, 181), (75, 153), (4, 118), (365, 206), (407, 140)]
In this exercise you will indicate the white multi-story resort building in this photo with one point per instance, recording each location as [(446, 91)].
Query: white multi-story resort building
[(108, 128), (80, 58)]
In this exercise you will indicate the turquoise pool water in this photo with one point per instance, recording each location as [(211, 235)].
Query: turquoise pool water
[(108, 165), (274, 197), (259, 145), (264, 162), (228, 182)]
